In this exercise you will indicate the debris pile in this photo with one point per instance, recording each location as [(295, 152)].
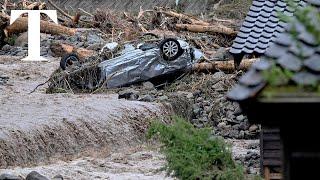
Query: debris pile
[(212, 37), (201, 99), (198, 94)]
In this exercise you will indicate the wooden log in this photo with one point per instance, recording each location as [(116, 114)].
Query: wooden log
[(60, 49), (21, 25), (201, 29), (226, 66), (218, 28), (185, 18)]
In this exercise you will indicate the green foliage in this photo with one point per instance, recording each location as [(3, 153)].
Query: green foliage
[(11, 40), (277, 76), (193, 153), (308, 16)]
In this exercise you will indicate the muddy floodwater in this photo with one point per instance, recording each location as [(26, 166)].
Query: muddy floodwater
[(41, 128)]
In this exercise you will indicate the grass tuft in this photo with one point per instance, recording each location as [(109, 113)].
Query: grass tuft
[(194, 153)]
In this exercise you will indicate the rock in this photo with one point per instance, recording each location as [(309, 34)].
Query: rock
[(94, 47), (199, 125), (93, 38), (22, 40), (230, 115), (146, 98), (219, 86), (163, 98), (222, 54), (189, 95), (153, 92), (240, 118), (222, 125), (237, 110), (197, 93), (218, 76), (207, 109), (244, 126), (234, 134), (43, 52), (253, 128), (241, 134), (204, 119), (236, 127), (111, 46), (199, 99), (130, 94), (80, 44), (58, 177), (196, 109), (252, 155), (9, 177), (6, 47), (23, 53), (35, 176), (148, 85)]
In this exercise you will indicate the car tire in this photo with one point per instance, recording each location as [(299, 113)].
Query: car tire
[(69, 60), (170, 49)]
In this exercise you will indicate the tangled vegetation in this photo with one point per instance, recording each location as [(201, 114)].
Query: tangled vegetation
[(194, 153)]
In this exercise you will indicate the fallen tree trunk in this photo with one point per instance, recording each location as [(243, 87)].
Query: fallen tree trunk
[(201, 29), (226, 66), (185, 18), (59, 50), (21, 25)]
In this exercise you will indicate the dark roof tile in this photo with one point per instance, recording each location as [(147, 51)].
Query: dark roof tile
[(298, 54), (261, 65), (284, 39), (273, 51), (290, 62), (261, 22), (241, 92), (251, 79), (305, 78), (313, 63), (307, 38)]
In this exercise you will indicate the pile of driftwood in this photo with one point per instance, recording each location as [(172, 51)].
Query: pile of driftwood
[(121, 27), (115, 25)]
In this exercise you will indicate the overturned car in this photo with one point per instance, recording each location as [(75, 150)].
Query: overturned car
[(142, 63)]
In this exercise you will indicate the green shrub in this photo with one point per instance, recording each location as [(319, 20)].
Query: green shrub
[(194, 153)]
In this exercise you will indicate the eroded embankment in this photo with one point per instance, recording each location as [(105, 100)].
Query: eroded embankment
[(37, 129)]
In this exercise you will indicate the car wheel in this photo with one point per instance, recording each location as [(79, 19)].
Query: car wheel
[(69, 60), (170, 49)]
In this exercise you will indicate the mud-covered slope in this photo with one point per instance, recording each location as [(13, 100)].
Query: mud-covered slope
[(33, 130)]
